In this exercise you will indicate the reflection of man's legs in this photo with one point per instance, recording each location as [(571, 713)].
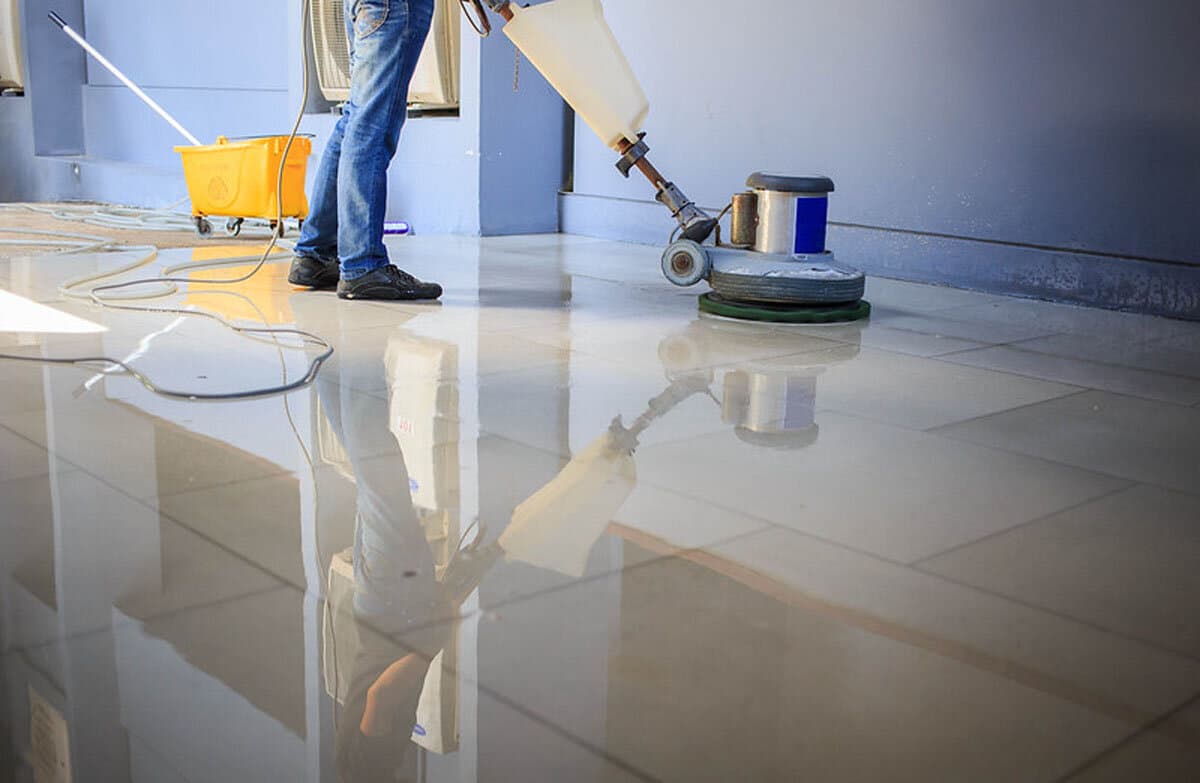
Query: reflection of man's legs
[(395, 581), (395, 587)]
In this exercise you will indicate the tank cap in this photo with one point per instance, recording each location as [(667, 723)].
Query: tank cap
[(761, 181)]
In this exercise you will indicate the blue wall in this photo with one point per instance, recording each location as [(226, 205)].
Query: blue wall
[(230, 67), (24, 177), (221, 67), (1073, 125)]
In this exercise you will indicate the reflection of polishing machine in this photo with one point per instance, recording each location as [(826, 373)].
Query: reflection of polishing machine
[(769, 403)]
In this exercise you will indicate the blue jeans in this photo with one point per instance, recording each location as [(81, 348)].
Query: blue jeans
[(349, 199)]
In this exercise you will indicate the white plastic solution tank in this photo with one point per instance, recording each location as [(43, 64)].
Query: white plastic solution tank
[(570, 42)]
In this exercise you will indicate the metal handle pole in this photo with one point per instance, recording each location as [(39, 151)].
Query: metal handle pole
[(87, 47)]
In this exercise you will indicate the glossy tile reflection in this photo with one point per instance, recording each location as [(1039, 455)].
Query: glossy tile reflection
[(561, 527)]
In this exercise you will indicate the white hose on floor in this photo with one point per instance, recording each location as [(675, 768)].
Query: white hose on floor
[(104, 296), (88, 287), (111, 217)]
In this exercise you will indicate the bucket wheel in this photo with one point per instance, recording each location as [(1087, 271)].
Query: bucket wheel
[(233, 226), (685, 263), (278, 228), (204, 229)]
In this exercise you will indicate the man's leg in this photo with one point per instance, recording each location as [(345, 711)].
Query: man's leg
[(388, 38), (316, 262)]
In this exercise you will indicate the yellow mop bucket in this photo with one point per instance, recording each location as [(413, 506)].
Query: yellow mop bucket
[(237, 179), (234, 178)]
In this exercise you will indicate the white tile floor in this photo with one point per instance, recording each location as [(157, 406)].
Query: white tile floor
[(958, 542)]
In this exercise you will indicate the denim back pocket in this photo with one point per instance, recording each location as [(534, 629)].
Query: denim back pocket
[(369, 16)]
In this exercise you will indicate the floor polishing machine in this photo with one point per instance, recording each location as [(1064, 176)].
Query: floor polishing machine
[(774, 265)]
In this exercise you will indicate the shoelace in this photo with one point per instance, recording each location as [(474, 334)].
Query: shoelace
[(400, 276)]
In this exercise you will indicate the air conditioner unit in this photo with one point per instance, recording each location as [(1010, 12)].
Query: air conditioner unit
[(11, 71), (435, 82)]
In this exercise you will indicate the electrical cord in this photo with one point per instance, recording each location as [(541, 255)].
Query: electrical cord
[(168, 282)]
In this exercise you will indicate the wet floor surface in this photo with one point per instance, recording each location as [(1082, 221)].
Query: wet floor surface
[(562, 527)]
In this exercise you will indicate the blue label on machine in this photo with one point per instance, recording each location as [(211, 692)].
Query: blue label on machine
[(812, 216)]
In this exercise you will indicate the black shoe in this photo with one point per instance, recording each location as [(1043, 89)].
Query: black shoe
[(314, 272), (388, 283)]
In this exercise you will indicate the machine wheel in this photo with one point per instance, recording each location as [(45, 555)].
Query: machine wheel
[(203, 228), (233, 226), (279, 228), (685, 263)]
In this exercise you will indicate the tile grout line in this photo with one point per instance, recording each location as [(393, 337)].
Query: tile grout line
[(529, 713), (1153, 645), (1058, 398), (916, 569), (283, 581), (514, 600), (841, 545), (659, 487), (941, 314), (535, 717), (994, 664), (920, 563), (76, 468), (1128, 740), (223, 485), (948, 359), (83, 635), (72, 467), (1185, 327), (932, 431), (920, 571), (1015, 452), (482, 612), (517, 599)]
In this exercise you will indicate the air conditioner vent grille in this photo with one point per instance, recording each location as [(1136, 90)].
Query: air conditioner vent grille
[(11, 68), (435, 82)]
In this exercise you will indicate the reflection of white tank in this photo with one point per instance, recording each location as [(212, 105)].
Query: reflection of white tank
[(423, 415), (556, 527)]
